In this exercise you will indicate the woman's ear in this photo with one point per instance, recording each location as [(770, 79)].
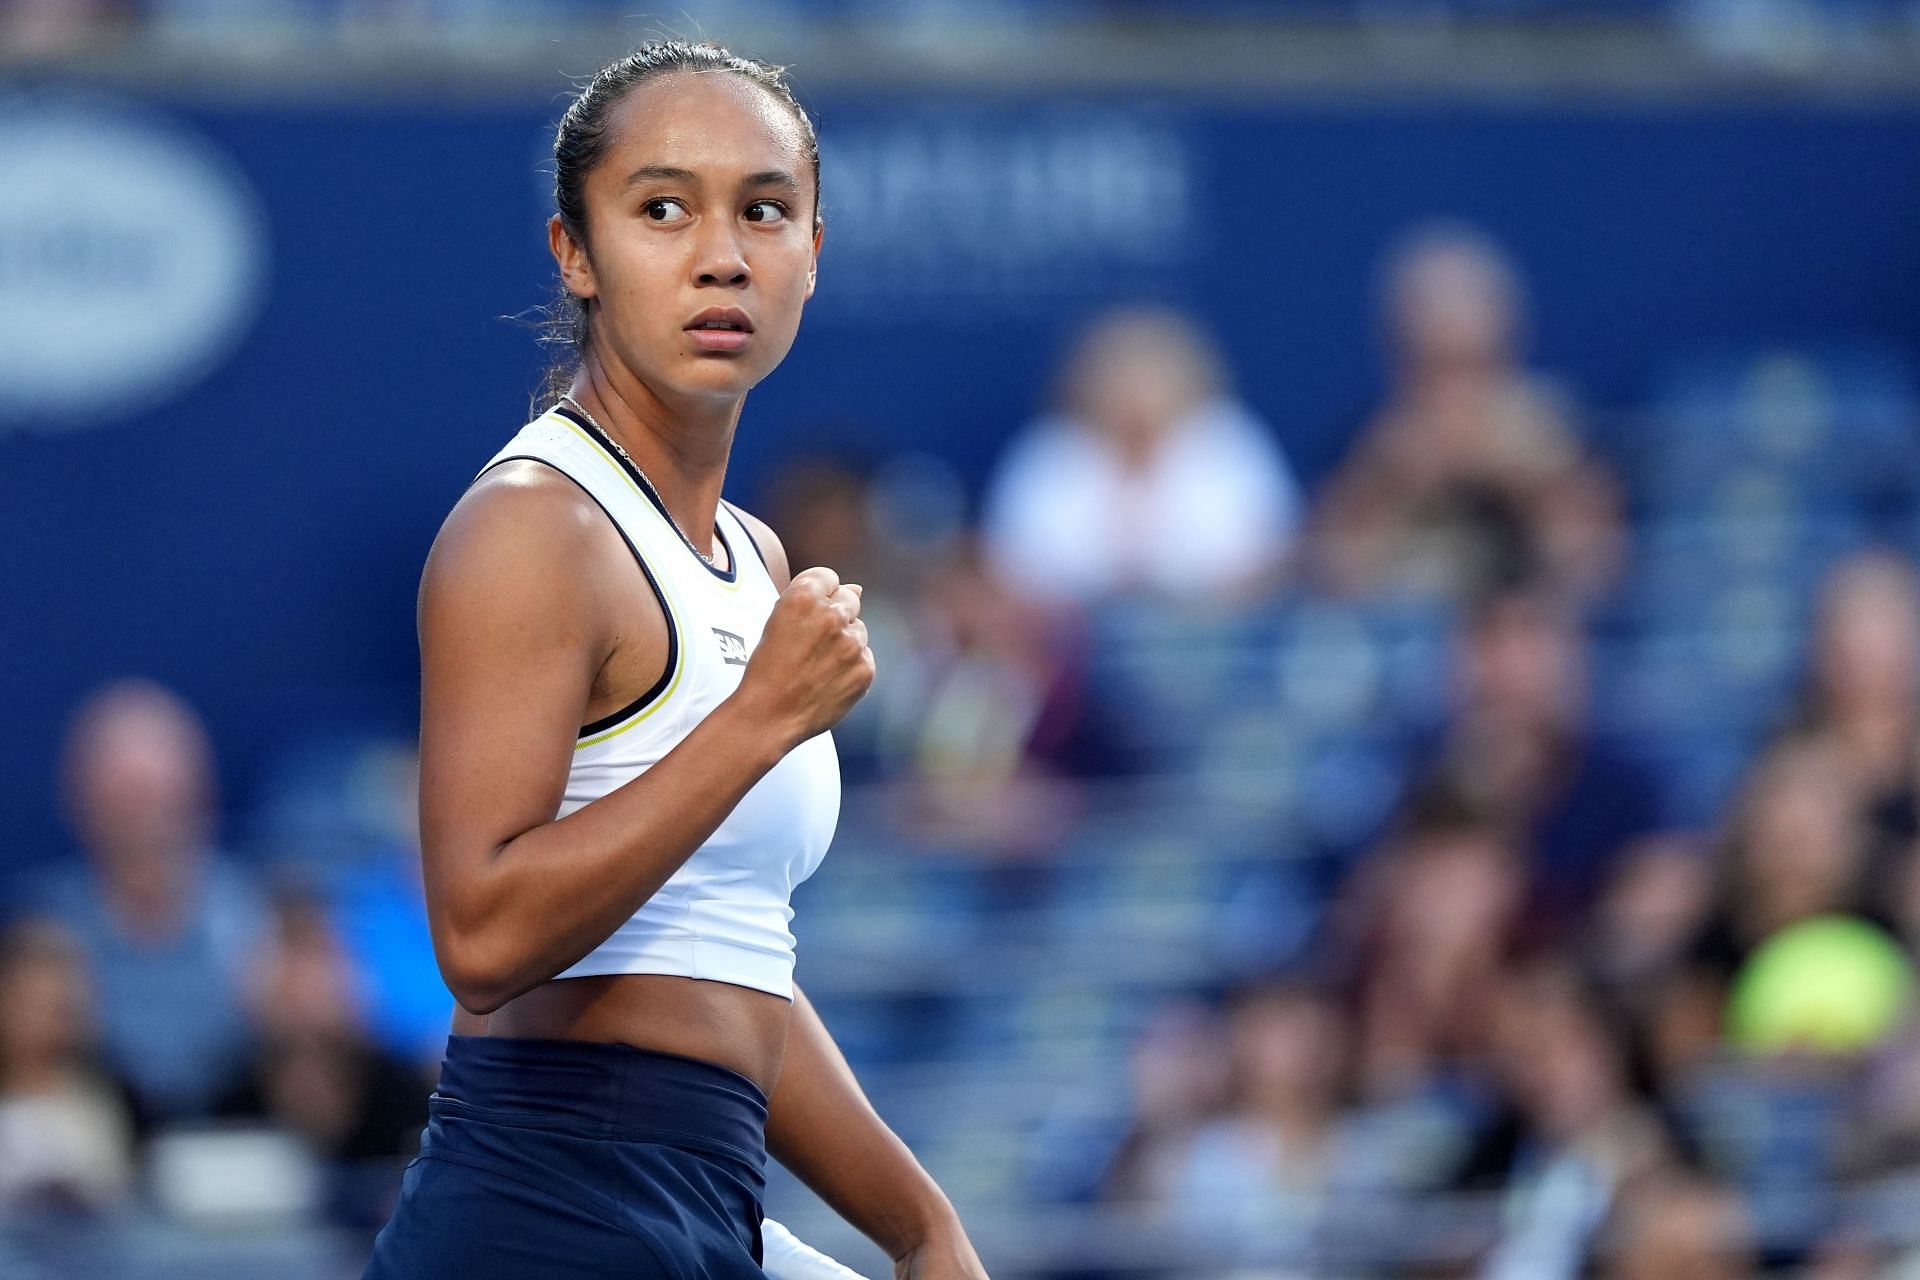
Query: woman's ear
[(813, 265), (576, 269)]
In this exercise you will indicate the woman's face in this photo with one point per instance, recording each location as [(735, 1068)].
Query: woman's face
[(700, 213)]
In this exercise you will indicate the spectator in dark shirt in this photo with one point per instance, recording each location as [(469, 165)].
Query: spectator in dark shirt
[(1521, 743)]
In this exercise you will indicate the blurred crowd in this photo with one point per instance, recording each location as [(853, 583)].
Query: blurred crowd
[(1554, 1015), (1660, 1038), (158, 991)]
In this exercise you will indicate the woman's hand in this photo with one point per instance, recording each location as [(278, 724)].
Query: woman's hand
[(949, 1256), (812, 663)]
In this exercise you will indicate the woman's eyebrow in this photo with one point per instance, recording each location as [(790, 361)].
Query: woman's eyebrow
[(661, 173), (673, 173), (772, 178)]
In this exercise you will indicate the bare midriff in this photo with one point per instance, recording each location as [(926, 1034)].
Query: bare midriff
[(735, 1027)]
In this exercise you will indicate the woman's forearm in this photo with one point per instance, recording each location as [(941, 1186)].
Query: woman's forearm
[(549, 896), (821, 1126)]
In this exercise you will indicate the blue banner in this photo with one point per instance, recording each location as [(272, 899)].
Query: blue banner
[(249, 356)]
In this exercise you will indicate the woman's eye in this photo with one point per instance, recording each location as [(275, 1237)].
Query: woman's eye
[(766, 211), (665, 210)]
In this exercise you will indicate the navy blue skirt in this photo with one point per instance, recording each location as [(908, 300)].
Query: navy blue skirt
[(551, 1158)]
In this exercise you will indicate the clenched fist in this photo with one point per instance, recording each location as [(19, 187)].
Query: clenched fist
[(813, 662)]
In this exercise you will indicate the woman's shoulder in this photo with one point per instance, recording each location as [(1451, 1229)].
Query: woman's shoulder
[(523, 498), (521, 529)]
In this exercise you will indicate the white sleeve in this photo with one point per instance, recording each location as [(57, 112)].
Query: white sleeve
[(786, 1258)]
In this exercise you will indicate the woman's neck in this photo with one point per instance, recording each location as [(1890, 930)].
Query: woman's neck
[(682, 447)]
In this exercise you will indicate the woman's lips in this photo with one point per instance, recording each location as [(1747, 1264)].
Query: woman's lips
[(718, 340)]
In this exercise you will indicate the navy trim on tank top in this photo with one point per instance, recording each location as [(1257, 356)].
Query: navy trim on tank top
[(751, 540), (732, 572)]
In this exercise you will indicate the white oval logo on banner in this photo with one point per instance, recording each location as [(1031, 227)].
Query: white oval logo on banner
[(132, 257)]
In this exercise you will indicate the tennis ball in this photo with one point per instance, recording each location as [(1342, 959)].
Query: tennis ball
[(1830, 983)]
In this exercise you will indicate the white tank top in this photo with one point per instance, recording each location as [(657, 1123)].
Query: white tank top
[(725, 914)]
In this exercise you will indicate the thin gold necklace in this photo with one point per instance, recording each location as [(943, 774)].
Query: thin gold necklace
[(653, 490)]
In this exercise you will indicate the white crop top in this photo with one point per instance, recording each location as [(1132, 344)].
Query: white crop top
[(725, 914)]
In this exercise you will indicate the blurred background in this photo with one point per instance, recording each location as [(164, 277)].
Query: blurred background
[(1389, 526)]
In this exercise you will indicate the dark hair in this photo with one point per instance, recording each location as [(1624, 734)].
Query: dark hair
[(581, 141)]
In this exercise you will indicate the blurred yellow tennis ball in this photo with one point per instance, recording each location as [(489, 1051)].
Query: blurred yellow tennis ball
[(1831, 983)]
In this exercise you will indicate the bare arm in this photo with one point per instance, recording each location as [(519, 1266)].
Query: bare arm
[(515, 626), (821, 1126)]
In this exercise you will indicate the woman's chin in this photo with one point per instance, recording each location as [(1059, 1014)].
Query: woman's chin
[(717, 377)]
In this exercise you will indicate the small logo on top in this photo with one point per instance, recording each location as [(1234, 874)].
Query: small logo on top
[(733, 648)]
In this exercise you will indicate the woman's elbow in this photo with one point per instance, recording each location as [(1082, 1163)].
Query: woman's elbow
[(474, 950), (480, 976)]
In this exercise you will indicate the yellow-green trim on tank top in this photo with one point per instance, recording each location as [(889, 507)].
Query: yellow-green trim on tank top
[(679, 638)]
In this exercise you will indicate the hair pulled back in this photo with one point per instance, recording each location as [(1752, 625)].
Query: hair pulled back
[(581, 141)]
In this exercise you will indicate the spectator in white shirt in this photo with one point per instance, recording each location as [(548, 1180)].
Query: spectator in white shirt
[(1148, 478)]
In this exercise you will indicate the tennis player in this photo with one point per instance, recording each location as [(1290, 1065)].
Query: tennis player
[(625, 758)]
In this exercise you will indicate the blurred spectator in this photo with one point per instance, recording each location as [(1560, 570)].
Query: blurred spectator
[(983, 717), (977, 711), (1638, 951), (1677, 1227), (1148, 477), (66, 1134), (1863, 685), (1520, 743), (1433, 920), (1583, 1136), (1179, 1071), (166, 925), (318, 1075), (1795, 848), (822, 510), (1791, 986), (1263, 1166), (1647, 914), (1469, 477), (985, 662)]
